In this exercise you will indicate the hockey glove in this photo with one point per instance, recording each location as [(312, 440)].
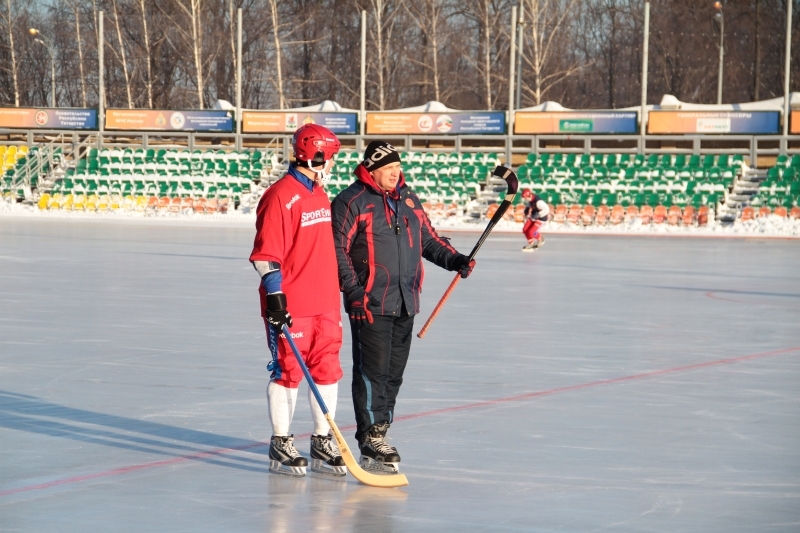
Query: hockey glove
[(276, 313), (359, 313), (463, 265)]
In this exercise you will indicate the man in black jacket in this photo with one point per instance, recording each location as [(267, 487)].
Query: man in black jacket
[(381, 234)]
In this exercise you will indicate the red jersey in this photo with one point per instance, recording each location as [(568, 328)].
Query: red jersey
[(293, 228)]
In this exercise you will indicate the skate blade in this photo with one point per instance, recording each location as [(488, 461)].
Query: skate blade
[(385, 469), (321, 467), (529, 250), (276, 467)]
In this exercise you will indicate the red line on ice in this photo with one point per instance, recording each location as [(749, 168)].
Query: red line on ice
[(474, 405)]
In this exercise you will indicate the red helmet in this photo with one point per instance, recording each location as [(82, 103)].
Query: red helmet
[(316, 143), (526, 193)]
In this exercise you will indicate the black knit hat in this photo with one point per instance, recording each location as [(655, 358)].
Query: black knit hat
[(379, 154)]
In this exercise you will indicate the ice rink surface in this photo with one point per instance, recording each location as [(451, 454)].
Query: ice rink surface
[(602, 383)]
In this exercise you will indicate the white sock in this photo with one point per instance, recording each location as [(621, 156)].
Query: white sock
[(329, 394), (281, 408)]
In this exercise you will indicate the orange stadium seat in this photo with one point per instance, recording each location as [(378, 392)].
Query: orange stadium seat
[(632, 213), (764, 211), (587, 214), (688, 215), (489, 212), (674, 215), (574, 213), (748, 213), (781, 211), (617, 214), (795, 212), (603, 212), (560, 214), (659, 214), (646, 214), (702, 215)]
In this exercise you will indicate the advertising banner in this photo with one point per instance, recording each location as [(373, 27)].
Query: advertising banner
[(169, 120), (289, 121), (794, 125), (731, 122), (48, 118), (461, 123), (576, 122)]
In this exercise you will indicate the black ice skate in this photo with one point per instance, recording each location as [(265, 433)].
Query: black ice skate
[(284, 458), (325, 456), (376, 454)]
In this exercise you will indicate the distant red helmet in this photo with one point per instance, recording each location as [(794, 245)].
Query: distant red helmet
[(526, 193), (316, 143)]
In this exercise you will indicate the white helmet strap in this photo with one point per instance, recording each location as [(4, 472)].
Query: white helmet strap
[(324, 177)]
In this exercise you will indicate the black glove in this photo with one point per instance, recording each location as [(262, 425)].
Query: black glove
[(276, 313), (359, 313), (463, 265)]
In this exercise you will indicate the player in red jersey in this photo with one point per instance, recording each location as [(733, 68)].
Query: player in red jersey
[(295, 257), (537, 212)]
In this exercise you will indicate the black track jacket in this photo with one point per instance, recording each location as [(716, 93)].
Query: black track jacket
[(380, 251)]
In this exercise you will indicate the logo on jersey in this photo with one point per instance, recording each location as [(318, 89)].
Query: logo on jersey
[(292, 201), (295, 335), (315, 217)]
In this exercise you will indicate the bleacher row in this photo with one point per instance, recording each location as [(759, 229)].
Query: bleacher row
[(204, 181), (780, 192), (20, 162), (586, 188)]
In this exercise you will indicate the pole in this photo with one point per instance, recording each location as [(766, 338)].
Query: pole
[(645, 52), (520, 42), (101, 116), (721, 54), (363, 70), (787, 74), (52, 76), (511, 62), (239, 114)]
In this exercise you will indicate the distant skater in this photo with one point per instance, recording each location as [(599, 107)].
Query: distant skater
[(295, 258), (537, 212)]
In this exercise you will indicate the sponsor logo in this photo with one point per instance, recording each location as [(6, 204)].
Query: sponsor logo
[(713, 125), (409, 202), (379, 154), (295, 335), (444, 123), (425, 123), (315, 217), (41, 117), (292, 201), (291, 121), (161, 120), (177, 121), (572, 125)]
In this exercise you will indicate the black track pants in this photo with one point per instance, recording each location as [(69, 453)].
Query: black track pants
[(380, 353)]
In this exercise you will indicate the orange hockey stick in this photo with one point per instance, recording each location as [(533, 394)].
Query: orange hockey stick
[(513, 184)]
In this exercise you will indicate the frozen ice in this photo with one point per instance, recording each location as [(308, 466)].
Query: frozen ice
[(601, 383)]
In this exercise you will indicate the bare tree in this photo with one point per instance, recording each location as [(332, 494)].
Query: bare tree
[(548, 21), (273, 4), (148, 55), (122, 55), (10, 19), (428, 17)]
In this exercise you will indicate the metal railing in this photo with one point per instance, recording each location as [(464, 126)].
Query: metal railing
[(752, 146)]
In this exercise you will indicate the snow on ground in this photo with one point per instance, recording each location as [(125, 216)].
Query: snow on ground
[(772, 226)]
